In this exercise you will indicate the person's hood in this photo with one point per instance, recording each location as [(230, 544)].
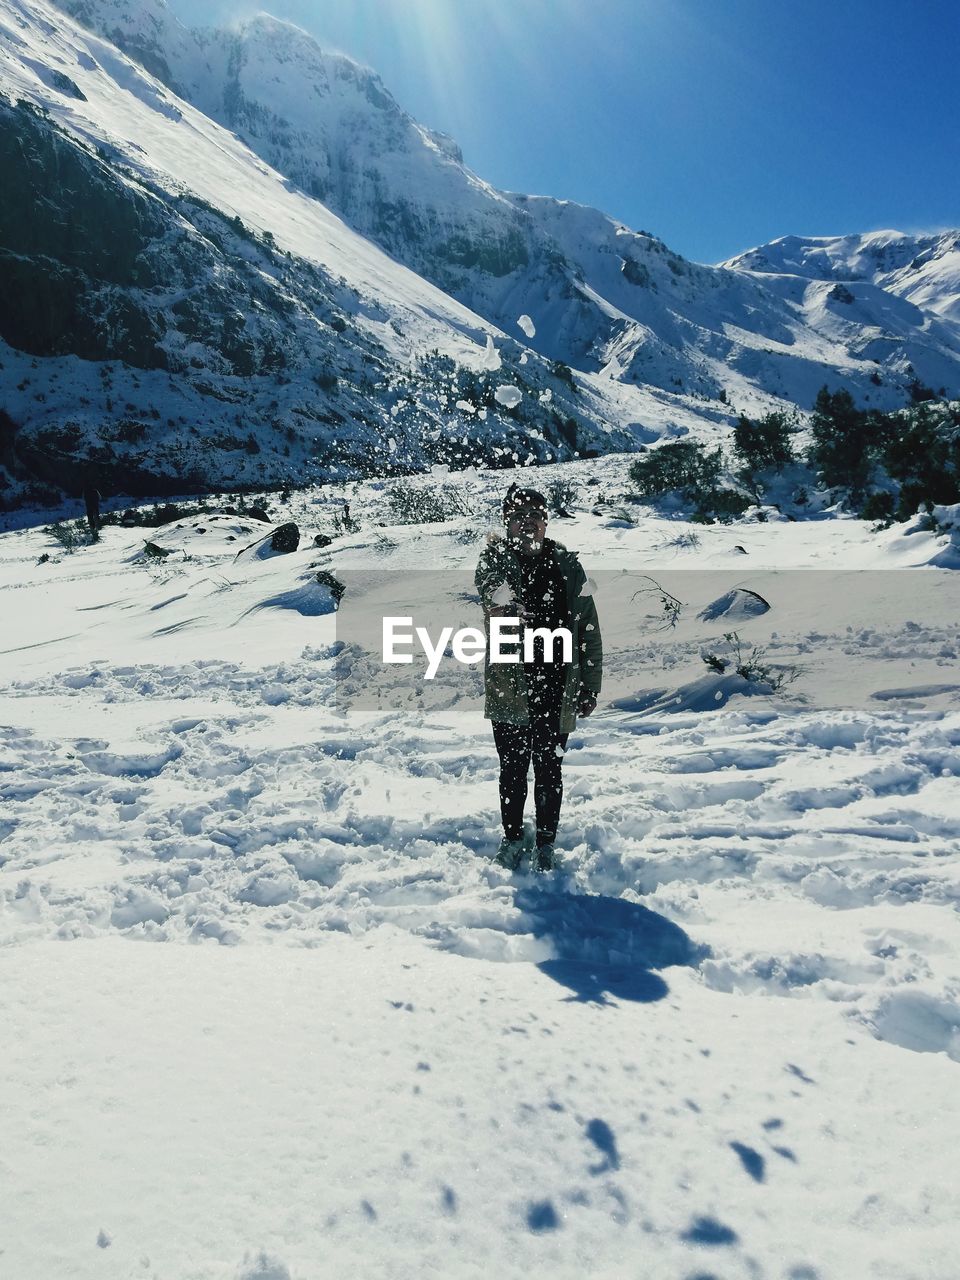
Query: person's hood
[(497, 539)]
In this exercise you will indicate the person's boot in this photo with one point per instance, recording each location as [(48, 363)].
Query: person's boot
[(545, 859), (509, 853)]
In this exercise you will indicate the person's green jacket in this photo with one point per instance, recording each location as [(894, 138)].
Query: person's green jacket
[(505, 684)]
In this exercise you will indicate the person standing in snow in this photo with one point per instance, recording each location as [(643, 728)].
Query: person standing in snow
[(534, 705), (91, 499)]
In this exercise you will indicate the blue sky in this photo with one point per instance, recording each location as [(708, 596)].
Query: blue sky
[(715, 124)]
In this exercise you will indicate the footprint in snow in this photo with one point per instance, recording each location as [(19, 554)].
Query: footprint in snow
[(541, 1216), (752, 1161), (602, 1137), (706, 1230)]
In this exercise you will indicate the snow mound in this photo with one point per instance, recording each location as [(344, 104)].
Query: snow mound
[(709, 693), (313, 599), (262, 549), (920, 1020), (735, 606)]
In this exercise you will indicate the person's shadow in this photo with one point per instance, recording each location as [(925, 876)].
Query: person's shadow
[(605, 947)]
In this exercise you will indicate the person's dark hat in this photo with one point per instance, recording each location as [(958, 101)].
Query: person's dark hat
[(516, 497)]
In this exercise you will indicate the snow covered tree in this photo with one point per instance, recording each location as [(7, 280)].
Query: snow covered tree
[(764, 444), (921, 451), (682, 465), (687, 468), (842, 435)]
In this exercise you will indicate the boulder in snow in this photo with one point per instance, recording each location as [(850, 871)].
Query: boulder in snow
[(737, 605), (279, 541), (285, 538)]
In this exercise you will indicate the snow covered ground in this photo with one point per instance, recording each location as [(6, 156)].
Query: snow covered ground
[(721, 1041)]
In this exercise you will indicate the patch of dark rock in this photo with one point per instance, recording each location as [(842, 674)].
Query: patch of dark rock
[(67, 86), (327, 579), (285, 538)]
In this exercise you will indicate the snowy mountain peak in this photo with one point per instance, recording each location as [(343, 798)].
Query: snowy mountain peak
[(603, 298), (925, 269), (273, 42)]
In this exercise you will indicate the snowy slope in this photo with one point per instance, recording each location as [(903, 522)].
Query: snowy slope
[(722, 1040), (260, 312), (601, 296), (923, 269)]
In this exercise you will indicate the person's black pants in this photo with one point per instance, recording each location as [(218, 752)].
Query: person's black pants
[(542, 742)]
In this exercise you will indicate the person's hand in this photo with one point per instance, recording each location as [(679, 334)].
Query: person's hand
[(586, 703), (508, 611)]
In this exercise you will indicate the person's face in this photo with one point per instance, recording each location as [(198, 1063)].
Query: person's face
[(527, 527)]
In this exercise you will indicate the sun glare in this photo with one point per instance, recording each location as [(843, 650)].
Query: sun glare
[(450, 42)]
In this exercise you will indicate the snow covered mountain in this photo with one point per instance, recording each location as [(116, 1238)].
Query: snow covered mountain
[(602, 296), (176, 312), (923, 269), (261, 266)]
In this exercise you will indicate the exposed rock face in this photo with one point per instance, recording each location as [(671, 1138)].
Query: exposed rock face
[(69, 206), (285, 538), (70, 239), (91, 261), (99, 268)]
